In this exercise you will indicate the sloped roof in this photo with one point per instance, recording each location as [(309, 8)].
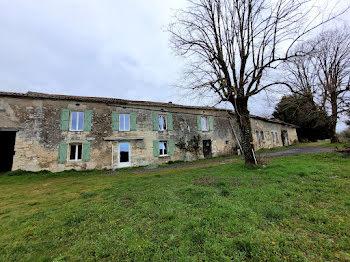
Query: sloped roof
[(103, 100), (273, 120), (109, 100)]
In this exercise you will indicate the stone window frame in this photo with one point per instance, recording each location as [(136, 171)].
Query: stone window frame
[(165, 117), (274, 136), (257, 134), (76, 157), (262, 135), (166, 146), (206, 122), (77, 124), (119, 127)]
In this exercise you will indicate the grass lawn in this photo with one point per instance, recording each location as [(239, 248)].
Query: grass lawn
[(308, 144), (295, 209)]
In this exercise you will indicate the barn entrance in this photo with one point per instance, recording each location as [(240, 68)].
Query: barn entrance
[(207, 148), (7, 149)]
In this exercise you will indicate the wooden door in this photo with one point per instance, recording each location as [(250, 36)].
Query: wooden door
[(207, 148)]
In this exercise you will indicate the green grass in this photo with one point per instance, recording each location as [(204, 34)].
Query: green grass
[(295, 209), (323, 144), (316, 144)]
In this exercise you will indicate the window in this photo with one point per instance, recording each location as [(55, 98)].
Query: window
[(75, 152), (163, 148), (274, 136), (77, 121), (262, 135), (257, 136), (124, 122), (204, 123), (162, 122)]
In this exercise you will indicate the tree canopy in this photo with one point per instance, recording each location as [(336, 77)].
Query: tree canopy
[(311, 120)]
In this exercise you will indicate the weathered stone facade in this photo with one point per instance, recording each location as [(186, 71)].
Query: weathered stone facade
[(269, 129), (40, 139)]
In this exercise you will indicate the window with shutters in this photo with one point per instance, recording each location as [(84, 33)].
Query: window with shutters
[(204, 123), (77, 121), (75, 152), (163, 148), (124, 122), (162, 123)]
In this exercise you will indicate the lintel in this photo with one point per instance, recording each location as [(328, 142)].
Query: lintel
[(13, 129), (122, 138)]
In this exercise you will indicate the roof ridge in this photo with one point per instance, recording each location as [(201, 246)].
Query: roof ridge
[(107, 100), (102, 99)]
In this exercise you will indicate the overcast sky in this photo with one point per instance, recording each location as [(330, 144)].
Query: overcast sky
[(109, 48)]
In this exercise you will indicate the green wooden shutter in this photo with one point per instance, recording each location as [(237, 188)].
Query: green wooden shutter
[(87, 120), (132, 121), (64, 119), (86, 151), (115, 121), (155, 121), (199, 123), (156, 148), (211, 123), (170, 122), (62, 153), (171, 147)]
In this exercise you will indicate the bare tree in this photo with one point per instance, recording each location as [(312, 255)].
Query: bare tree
[(323, 75), (231, 44), (333, 64), (300, 73), (302, 78)]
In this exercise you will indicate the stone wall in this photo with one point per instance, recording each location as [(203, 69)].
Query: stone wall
[(268, 128), (40, 134)]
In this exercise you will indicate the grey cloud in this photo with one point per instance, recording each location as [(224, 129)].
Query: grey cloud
[(109, 48)]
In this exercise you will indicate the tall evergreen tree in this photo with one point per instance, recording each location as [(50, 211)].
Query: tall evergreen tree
[(311, 120)]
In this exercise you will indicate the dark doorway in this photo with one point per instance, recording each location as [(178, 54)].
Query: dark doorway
[(284, 136), (7, 150), (207, 148)]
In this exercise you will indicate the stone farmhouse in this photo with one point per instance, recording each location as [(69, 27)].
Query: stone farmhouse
[(57, 132)]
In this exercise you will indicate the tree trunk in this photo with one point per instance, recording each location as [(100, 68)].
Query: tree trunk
[(243, 119), (333, 119)]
